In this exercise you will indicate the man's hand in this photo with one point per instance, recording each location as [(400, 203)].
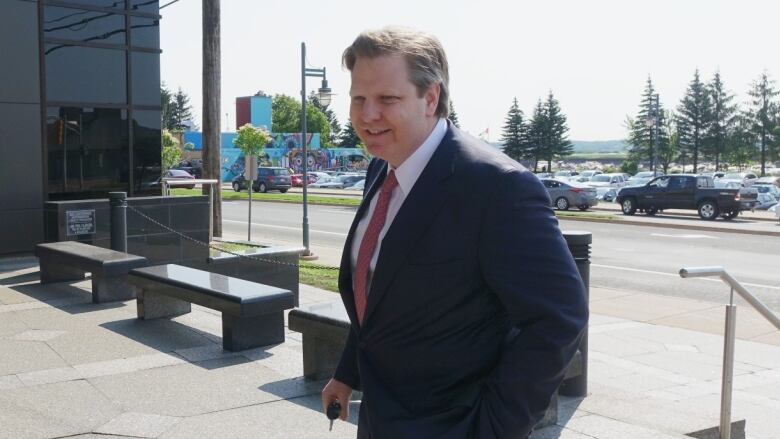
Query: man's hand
[(335, 390)]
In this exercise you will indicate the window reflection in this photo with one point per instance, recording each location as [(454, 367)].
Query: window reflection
[(146, 78), (149, 6), (145, 32), (83, 26), (85, 74), (114, 4), (147, 143), (87, 151)]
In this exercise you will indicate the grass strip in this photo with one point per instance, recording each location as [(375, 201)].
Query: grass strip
[(290, 198), (319, 276)]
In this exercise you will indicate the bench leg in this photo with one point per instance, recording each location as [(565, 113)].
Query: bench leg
[(151, 305), (239, 333), (56, 272), (111, 289), (320, 356)]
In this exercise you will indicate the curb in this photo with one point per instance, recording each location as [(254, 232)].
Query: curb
[(676, 226)]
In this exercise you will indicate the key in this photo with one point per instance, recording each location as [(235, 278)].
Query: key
[(333, 413)]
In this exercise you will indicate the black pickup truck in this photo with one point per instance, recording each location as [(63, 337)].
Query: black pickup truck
[(681, 191)]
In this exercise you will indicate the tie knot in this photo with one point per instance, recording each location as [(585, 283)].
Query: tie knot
[(390, 182)]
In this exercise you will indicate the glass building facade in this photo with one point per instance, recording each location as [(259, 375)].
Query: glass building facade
[(100, 93)]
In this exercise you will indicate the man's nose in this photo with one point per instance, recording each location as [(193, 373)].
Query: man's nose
[(370, 111)]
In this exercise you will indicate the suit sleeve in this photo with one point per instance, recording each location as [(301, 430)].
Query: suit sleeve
[(347, 369), (526, 263)]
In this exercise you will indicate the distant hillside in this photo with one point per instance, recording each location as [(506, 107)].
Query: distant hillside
[(587, 146), (599, 146)]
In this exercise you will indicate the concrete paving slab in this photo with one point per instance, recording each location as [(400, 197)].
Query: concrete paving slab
[(750, 324), (646, 307), (26, 356), (193, 389), (37, 335), (48, 376), (10, 382), (53, 410), (772, 338), (273, 420), (602, 293), (620, 347), (557, 432), (128, 365), (133, 424), (11, 325), (284, 359), (606, 428)]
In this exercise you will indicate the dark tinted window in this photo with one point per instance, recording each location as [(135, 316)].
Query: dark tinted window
[(146, 78), (146, 149), (116, 4), (85, 74), (678, 182), (87, 151), (81, 25), (149, 6), (145, 32), (281, 172)]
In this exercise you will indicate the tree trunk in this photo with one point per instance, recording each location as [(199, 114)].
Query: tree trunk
[(211, 105)]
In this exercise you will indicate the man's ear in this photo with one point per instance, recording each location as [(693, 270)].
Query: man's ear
[(432, 99)]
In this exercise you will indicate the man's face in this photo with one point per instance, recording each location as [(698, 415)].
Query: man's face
[(386, 110)]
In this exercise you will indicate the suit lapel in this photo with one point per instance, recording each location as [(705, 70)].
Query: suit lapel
[(413, 219), (345, 271)]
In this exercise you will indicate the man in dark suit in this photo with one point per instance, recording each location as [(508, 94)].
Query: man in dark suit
[(466, 306)]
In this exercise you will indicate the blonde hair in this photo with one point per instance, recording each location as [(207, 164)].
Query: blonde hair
[(425, 58)]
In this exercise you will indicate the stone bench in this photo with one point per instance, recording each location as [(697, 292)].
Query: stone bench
[(325, 327), (252, 313), (70, 260)]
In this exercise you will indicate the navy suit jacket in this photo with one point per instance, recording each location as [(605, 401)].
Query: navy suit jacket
[(475, 307)]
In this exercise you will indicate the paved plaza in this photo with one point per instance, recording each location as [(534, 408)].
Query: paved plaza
[(71, 368)]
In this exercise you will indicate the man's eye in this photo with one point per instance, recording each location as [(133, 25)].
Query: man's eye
[(390, 99)]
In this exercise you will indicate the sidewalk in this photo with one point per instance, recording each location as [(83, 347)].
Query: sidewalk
[(72, 368)]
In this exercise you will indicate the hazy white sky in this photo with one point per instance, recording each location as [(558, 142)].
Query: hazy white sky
[(595, 55)]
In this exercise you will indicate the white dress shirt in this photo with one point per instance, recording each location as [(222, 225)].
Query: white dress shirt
[(407, 175)]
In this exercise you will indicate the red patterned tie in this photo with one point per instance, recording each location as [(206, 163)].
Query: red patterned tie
[(368, 245)]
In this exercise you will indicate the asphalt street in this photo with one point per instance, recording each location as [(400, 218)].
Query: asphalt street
[(636, 258)]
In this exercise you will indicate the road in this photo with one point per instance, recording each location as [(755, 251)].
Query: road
[(636, 258)]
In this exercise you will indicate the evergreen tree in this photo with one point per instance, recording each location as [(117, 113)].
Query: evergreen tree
[(722, 120), (670, 148), (742, 141), (335, 127), (454, 116), (348, 137), (641, 135), (556, 131), (513, 136), (535, 135), (181, 111), (166, 102), (693, 118), (763, 114)]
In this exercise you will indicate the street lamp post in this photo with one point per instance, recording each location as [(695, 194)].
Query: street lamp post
[(324, 99)]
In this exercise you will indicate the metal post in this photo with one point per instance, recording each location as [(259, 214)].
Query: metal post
[(655, 133), (249, 219), (579, 246), (307, 252), (728, 369), (211, 211), (118, 205)]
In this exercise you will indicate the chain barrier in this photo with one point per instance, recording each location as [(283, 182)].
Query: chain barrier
[(214, 247)]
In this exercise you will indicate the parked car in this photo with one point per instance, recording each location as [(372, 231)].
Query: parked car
[(268, 179), (586, 176), (543, 175), (769, 189), (605, 182), (748, 195), (681, 191), (176, 174), (647, 174), (566, 175), (564, 194), (765, 200), (357, 186), (192, 166), (340, 182), (744, 178), (768, 180), (297, 179)]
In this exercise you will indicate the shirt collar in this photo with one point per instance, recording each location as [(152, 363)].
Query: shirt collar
[(410, 170)]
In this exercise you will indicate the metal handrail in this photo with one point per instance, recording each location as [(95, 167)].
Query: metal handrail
[(730, 334)]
